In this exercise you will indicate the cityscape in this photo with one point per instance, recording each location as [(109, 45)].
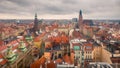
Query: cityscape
[(59, 42)]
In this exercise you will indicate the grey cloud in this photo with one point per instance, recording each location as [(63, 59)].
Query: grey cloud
[(11, 7), (70, 2), (21, 2), (60, 7)]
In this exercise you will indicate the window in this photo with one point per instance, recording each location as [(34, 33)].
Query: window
[(89, 52), (88, 57)]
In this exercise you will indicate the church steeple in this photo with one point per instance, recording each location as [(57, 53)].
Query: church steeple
[(35, 21), (80, 18), (80, 21), (35, 28), (80, 13), (35, 15)]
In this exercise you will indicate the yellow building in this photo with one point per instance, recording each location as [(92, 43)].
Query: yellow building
[(106, 56), (97, 52), (88, 31), (101, 55), (38, 43), (63, 29)]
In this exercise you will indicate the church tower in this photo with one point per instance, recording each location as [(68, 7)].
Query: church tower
[(35, 28), (35, 23), (80, 22)]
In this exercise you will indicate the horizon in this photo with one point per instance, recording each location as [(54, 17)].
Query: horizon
[(54, 19)]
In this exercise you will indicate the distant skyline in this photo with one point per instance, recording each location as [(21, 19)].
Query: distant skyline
[(59, 9)]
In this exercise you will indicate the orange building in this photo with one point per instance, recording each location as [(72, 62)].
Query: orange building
[(39, 63), (67, 59)]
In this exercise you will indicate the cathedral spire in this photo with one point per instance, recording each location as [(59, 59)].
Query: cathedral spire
[(80, 13), (35, 28), (80, 21), (35, 15), (35, 20)]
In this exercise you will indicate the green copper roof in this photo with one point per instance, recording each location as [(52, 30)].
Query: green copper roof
[(76, 47)]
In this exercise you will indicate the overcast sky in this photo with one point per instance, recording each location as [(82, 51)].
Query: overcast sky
[(59, 9)]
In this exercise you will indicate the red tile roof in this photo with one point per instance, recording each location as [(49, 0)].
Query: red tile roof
[(58, 60), (88, 46), (1, 42), (38, 63), (3, 61), (67, 59), (37, 39), (2, 48), (48, 46), (51, 65)]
